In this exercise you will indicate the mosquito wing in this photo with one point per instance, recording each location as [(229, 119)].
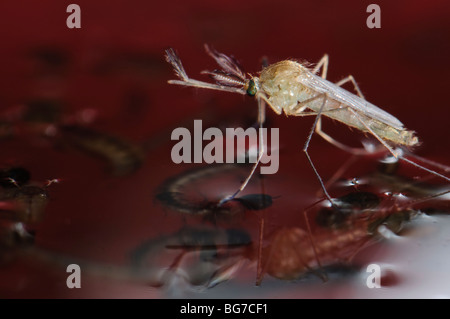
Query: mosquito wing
[(343, 96)]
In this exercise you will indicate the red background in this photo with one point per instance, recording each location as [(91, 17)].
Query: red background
[(402, 67)]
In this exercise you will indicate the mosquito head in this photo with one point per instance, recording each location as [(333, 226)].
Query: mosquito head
[(252, 87)]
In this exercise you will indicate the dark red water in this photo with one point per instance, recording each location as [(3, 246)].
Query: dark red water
[(113, 68)]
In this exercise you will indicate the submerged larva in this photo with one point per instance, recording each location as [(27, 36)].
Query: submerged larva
[(123, 157)]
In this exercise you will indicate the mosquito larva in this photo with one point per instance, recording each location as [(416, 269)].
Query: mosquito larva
[(123, 157)]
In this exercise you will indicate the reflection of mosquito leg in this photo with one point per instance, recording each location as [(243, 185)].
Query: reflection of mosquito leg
[(395, 154), (424, 168), (426, 198), (305, 149), (339, 173), (358, 249), (261, 150), (320, 273), (172, 269), (429, 162), (259, 266)]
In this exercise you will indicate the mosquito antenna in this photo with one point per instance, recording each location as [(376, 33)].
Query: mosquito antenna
[(224, 80), (173, 58), (228, 63)]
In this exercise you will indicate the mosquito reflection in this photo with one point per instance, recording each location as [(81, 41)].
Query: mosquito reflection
[(176, 194), (201, 256)]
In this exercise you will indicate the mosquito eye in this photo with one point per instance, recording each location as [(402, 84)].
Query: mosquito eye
[(251, 90)]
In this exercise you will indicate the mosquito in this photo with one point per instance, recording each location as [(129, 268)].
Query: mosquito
[(298, 90)]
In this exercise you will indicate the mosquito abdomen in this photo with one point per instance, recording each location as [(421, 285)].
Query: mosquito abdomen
[(399, 136)]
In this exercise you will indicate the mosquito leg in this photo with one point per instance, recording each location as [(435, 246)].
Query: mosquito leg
[(329, 139), (353, 150), (305, 149), (315, 113), (395, 154), (261, 150), (373, 133), (323, 63), (261, 112), (298, 108), (259, 266), (316, 255), (350, 78)]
